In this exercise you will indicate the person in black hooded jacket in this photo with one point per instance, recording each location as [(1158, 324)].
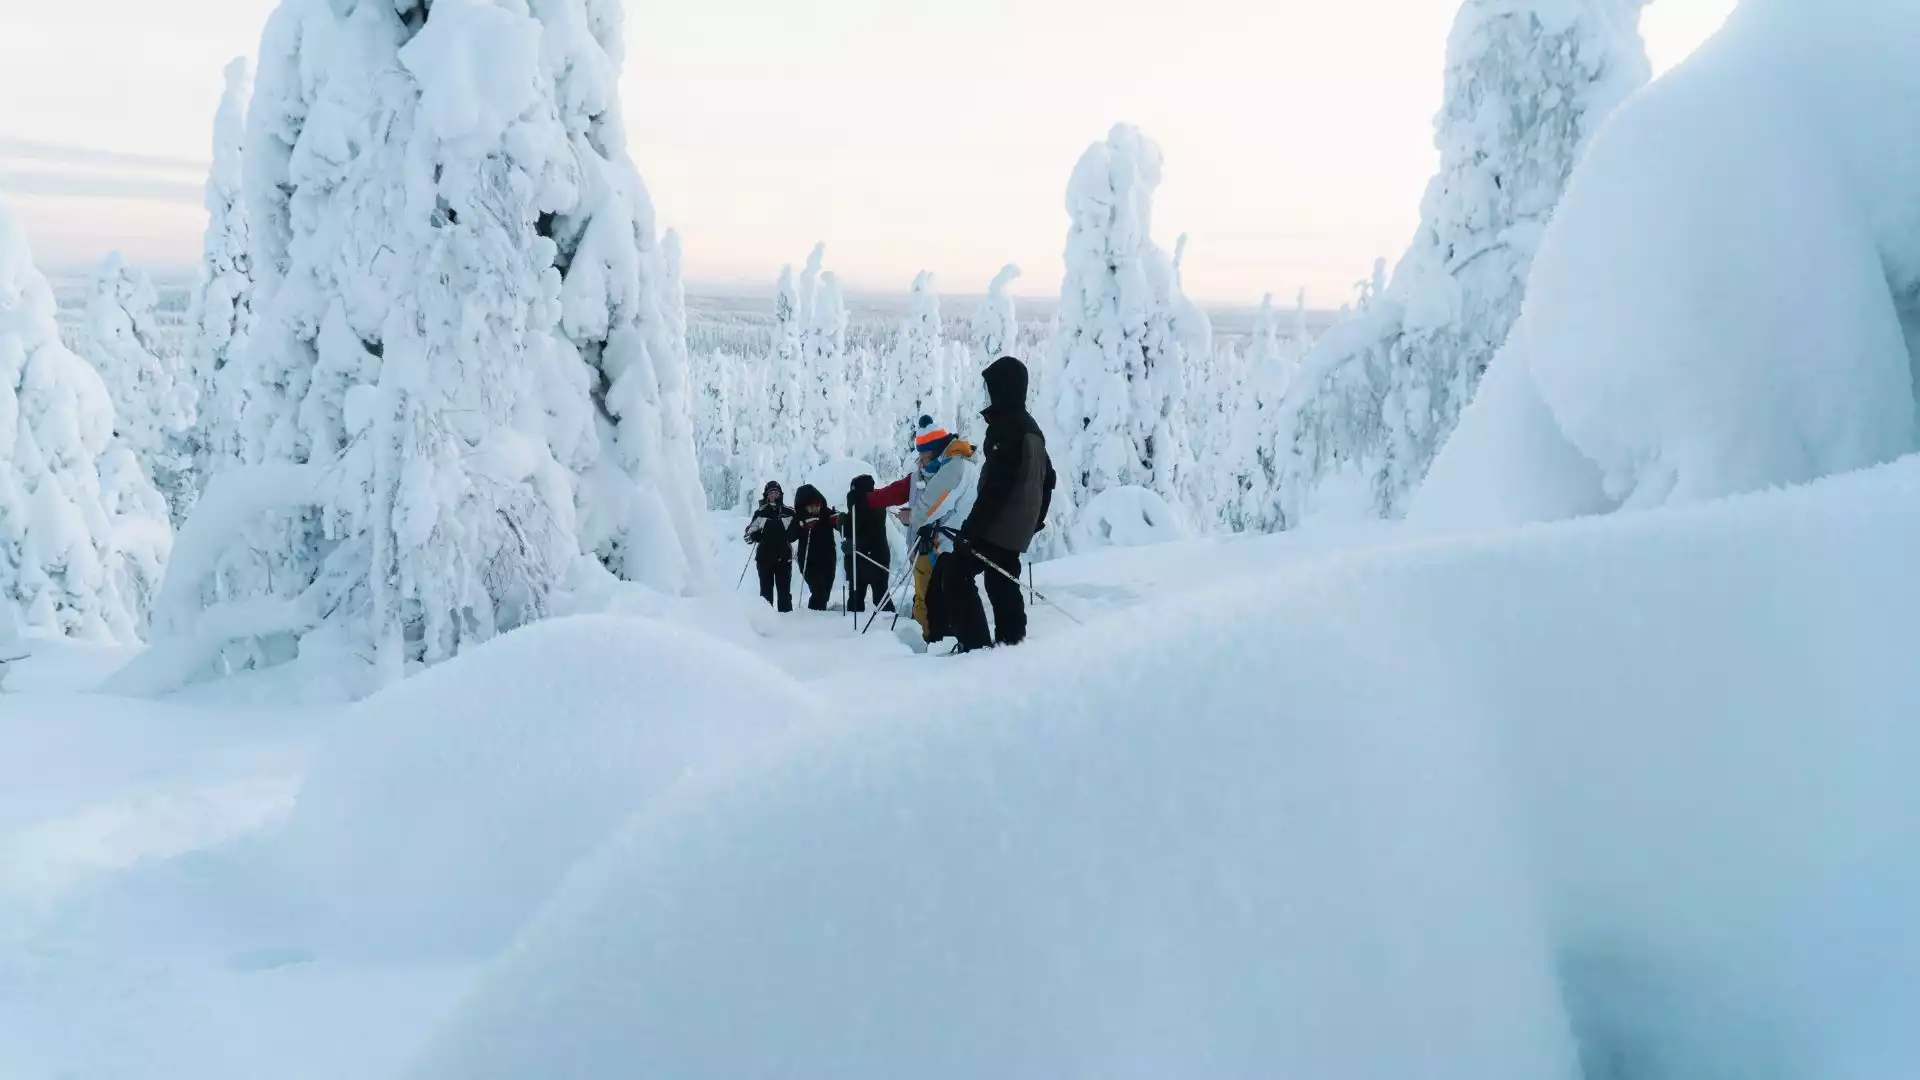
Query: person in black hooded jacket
[(770, 531), (868, 561), (1016, 491), (813, 528)]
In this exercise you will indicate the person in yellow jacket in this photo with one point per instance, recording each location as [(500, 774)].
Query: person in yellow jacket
[(938, 492)]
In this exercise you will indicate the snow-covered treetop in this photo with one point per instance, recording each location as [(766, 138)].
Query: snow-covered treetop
[(224, 178)]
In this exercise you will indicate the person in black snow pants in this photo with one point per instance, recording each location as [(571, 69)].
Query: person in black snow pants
[(813, 529), (1016, 490), (770, 530), (868, 563)]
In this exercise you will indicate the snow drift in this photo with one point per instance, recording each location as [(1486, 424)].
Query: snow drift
[(1127, 860), (448, 807), (1719, 303), (1165, 865), (1127, 517)]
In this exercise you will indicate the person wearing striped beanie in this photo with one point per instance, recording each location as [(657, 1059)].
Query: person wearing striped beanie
[(938, 491)]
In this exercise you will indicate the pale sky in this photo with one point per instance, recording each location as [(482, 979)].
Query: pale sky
[(907, 135)]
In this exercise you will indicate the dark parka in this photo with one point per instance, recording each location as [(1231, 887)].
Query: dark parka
[(1017, 481), (866, 526), (770, 531), (816, 543)]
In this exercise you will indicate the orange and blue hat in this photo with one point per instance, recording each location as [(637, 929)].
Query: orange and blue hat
[(929, 437)]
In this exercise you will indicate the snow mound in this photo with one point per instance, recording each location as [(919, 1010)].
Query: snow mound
[(1718, 304), (1126, 857), (1186, 860), (449, 806), (1128, 517), (835, 477)]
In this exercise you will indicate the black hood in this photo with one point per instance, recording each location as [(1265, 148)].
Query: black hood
[(808, 494), (1006, 380)]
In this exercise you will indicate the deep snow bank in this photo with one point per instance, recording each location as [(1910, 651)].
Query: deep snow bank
[(448, 807), (1141, 853), (1154, 852), (1717, 305)]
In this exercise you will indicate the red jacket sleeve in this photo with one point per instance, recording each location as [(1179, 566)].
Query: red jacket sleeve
[(894, 494)]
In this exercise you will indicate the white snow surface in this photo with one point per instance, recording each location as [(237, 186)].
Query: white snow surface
[(1634, 790), (478, 66), (1629, 791), (468, 792), (1726, 297), (1128, 517)]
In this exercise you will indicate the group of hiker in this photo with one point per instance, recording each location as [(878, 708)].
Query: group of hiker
[(971, 511)]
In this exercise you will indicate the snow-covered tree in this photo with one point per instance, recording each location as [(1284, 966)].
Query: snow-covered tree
[(463, 339), (1266, 374), (1527, 84), (778, 437), (996, 333), (828, 392), (1126, 332), (920, 356), (153, 399), (220, 314), (714, 429), (84, 537)]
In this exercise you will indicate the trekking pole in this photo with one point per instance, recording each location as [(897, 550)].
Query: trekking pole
[(892, 587), (998, 569), (748, 565)]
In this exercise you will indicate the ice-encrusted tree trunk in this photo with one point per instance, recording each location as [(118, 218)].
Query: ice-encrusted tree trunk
[(84, 537), (1126, 331), (153, 398), (220, 313), (1528, 82), (463, 337)]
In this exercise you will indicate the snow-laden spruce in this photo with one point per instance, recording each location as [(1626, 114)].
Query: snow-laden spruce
[(919, 356), (996, 333), (1126, 335), (1528, 83), (220, 313), (463, 334), (153, 398), (774, 430), (1729, 297), (84, 535), (827, 396)]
